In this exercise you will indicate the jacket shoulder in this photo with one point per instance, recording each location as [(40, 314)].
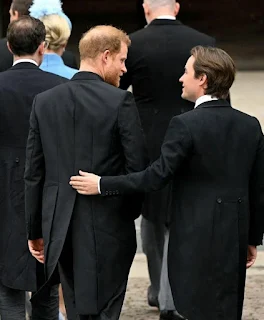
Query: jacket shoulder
[(179, 30), (53, 77)]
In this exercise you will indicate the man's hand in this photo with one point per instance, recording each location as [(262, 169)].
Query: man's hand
[(86, 183), (251, 256), (36, 248)]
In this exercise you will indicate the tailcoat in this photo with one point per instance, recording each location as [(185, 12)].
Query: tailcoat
[(18, 87), (90, 125), (214, 155)]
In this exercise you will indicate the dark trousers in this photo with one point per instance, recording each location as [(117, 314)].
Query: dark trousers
[(12, 305)]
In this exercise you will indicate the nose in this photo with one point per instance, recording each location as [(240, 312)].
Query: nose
[(181, 79), (124, 69)]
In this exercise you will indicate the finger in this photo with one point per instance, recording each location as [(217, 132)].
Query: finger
[(77, 183), (82, 192), (77, 178), (250, 263), (41, 260), (83, 173)]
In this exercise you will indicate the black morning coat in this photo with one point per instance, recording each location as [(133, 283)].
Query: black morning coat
[(90, 125), (6, 60), (214, 156), (156, 60), (18, 87)]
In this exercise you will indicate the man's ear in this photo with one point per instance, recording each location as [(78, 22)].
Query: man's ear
[(146, 8), (41, 48), (203, 81), (15, 15), (105, 56), (176, 8), (8, 46)]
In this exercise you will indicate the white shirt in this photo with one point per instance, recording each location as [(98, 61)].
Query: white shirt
[(203, 99), (168, 17), (25, 60)]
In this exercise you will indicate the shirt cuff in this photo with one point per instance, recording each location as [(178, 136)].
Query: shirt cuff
[(98, 186)]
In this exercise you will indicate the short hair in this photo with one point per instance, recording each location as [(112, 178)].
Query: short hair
[(156, 4), (219, 68), (100, 38), (25, 35), (57, 31), (21, 6)]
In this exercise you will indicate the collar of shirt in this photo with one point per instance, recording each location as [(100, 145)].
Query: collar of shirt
[(25, 60), (203, 99), (168, 17)]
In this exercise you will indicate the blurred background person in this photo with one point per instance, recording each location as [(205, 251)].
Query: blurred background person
[(58, 31), (18, 9), (18, 87), (57, 35)]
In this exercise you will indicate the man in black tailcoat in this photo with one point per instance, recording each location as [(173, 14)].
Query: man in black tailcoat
[(86, 124), (214, 156), (18, 87), (18, 9)]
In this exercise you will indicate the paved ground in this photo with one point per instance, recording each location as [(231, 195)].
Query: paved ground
[(136, 308)]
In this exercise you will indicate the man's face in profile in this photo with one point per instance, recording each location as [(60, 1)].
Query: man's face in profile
[(117, 66)]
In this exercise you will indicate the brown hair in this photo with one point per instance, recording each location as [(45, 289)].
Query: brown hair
[(100, 38), (219, 68), (21, 6)]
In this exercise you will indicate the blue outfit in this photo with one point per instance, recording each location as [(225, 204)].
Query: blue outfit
[(53, 63)]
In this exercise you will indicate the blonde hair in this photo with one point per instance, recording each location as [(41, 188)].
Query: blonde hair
[(57, 31), (100, 38)]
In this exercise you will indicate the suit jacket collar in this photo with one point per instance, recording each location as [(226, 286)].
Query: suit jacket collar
[(160, 22), (24, 65), (86, 75), (214, 103)]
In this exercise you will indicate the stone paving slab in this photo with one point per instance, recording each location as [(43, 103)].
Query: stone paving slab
[(135, 306)]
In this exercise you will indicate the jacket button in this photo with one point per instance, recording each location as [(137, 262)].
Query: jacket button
[(156, 111), (110, 193), (219, 200), (17, 160), (106, 192), (239, 200)]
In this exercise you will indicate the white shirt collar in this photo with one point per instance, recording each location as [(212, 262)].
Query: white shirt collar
[(168, 17), (25, 60), (203, 99)]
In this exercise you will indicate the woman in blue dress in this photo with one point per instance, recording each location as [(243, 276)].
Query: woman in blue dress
[(57, 34)]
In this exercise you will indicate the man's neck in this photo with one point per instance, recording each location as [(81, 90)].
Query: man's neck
[(84, 66), (161, 12), (28, 57)]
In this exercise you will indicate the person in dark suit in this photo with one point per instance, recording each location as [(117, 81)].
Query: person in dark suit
[(155, 62), (18, 9), (214, 155), (86, 124), (18, 87)]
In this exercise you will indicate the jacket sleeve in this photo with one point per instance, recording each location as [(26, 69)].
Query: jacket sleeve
[(134, 150), (256, 195), (175, 149), (34, 178), (132, 136)]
